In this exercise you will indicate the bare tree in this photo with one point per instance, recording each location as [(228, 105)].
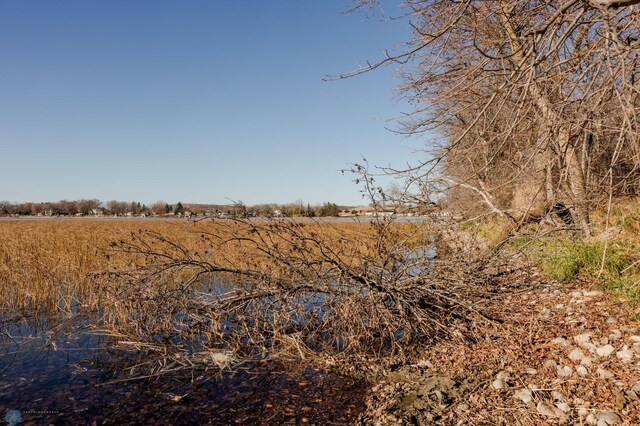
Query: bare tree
[(88, 206), (531, 107), (118, 207), (158, 208)]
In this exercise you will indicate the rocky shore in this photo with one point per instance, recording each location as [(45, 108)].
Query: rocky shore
[(557, 354)]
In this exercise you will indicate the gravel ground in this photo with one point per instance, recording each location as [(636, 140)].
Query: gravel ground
[(558, 355)]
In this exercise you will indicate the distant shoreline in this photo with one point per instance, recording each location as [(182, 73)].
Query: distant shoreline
[(202, 219)]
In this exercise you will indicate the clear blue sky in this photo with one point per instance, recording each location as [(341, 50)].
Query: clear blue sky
[(191, 101)]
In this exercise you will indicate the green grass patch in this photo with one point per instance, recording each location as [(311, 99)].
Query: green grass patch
[(566, 260), (627, 288), (467, 226), (490, 231), (566, 256), (520, 242)]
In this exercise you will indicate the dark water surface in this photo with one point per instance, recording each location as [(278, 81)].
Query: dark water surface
[(60, 372)]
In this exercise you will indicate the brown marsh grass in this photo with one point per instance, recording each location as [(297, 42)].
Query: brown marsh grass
[(49, 264), (56, 264)]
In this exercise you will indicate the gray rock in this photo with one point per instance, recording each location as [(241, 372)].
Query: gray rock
[(636, 387), (550, 363), (591, 419), (565, 371), (594, 293), (607, 418), (604, 373), (614, 337), (524, 395), (582, 370), (605, 351), (581, 339), (635, 338), (591, 347), (625, 355), (584, 341), (576, 355), (531, 371), (503, 375), (549, 410), (499, 384), (564, 407), (560, 341), (587, 361), (632, 396), (583, 412)]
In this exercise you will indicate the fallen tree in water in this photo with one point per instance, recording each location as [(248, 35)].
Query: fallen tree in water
[(342, 294)]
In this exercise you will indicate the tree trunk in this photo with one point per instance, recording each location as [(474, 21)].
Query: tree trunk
[(573, 183)]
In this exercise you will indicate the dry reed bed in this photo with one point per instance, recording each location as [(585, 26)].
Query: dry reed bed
[(48, 264)]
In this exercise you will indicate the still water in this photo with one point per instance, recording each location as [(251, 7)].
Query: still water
[(60, 371)]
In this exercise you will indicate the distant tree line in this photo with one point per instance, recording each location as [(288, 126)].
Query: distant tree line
[(73, 208), (94, 207), (297, 209)]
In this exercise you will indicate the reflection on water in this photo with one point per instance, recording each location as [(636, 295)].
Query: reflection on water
[(56, 371), (414, 260)]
